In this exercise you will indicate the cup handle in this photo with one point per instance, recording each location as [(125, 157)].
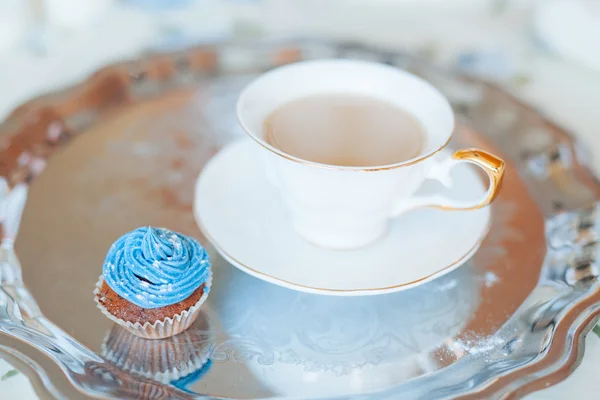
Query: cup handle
[(440, 171)]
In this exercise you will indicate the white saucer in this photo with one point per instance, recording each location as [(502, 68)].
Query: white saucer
[(245, 219)]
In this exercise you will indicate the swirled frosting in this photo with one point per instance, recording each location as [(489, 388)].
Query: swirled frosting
[(155, 267)]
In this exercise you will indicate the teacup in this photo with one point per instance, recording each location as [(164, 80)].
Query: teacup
[(346, 207)]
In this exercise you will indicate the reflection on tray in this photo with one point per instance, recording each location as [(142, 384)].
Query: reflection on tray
[(306, 345), (165, 360)]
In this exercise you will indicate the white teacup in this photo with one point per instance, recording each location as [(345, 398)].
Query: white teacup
[(348, 207)]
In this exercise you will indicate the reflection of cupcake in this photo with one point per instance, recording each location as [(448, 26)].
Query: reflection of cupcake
[(163, 360), (153, 282)]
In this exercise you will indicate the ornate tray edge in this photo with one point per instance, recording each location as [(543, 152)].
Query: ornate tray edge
[(39, 127)]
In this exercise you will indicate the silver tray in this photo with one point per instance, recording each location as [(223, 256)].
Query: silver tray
[(510, 321)]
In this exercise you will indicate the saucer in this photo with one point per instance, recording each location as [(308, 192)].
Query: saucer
[(246, 220)]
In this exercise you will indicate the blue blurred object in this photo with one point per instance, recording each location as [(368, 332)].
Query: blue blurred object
[(486, 64), (170, 38), (159, 5), (178, 24)]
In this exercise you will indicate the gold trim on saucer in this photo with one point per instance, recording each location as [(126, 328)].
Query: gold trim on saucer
[(237, 263)]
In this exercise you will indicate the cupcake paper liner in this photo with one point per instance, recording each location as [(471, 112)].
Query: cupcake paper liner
[(162, 360), (168, 327)]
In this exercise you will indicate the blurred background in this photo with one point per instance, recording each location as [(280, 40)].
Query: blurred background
[(545, 51)]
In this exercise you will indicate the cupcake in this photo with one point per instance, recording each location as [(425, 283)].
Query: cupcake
[(153, 282)]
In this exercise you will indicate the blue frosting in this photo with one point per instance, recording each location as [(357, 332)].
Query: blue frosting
[(155, 267)]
